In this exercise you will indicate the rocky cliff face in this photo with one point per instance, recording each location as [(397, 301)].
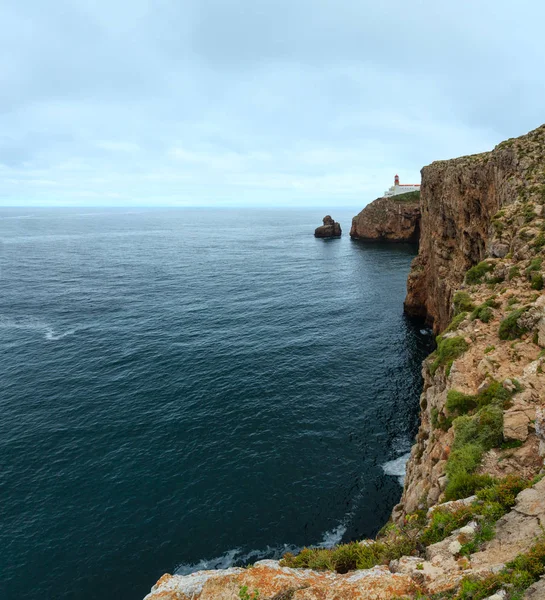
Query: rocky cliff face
[(488, 208), (474, 496), (395, 219), (458, 201)]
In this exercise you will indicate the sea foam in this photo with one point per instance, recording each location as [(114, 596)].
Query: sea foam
[(397, 467), (34, 325)]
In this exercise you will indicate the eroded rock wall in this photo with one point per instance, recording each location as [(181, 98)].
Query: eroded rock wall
[(395, 219), (458, 200), (490, 206)]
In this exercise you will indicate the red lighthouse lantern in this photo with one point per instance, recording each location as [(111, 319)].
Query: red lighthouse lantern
[(396, 180)]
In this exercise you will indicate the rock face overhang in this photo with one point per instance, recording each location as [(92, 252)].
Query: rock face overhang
[(394, 219)]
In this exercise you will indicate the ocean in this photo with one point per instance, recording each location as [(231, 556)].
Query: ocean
[(194, 388)]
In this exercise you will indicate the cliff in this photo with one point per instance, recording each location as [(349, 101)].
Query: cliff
[(480, 268), (459, 198), (470, 523), (394, 219)]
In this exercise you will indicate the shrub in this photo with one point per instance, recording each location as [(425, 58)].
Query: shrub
[(489, 349), (495, 279), (509, 328), (476, 273), (473, 436), (535, 265), (244, 594), (460, 403), (443, 522), (462, 302), (464, 460), (517, 576), (539, 242), (483, 313), (448, 350), (349, 557), (529, 213), (463, 485), (537, 281), (455, 323), (496, 394), (492, 302), (489, 421), (499, 226), (484, 533), (514, 272), (505, 491)]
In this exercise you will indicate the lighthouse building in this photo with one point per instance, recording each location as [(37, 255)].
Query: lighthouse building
[(401, 188)]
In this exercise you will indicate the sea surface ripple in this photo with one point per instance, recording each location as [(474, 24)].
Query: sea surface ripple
[(193, 388)]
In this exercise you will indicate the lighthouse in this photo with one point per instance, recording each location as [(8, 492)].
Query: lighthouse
[(401, 188)]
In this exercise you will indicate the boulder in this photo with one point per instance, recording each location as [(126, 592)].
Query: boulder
[(330, 228)]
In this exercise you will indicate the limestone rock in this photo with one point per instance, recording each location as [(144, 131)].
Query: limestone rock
[(516, 531), (516, 422), (458, 200), (499, 250), (394, 219), (330, 228), (540, 429), (536, 591), (272, 580)]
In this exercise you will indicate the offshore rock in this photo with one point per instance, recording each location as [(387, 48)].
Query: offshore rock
[(394, 219), (330, 228)]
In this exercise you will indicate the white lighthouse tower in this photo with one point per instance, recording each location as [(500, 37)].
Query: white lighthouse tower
[(401, 188)]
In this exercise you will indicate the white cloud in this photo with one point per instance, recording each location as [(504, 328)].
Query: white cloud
[(233, 102)]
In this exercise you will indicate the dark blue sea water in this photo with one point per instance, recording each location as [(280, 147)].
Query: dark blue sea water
[(188, 388)]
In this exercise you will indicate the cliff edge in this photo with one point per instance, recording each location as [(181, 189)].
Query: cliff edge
[(393, 219)]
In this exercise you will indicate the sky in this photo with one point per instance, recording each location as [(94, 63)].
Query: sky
[(255, 102)]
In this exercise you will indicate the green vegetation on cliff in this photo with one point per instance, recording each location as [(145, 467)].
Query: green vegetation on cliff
[(510, 328), (408, 197), (416, 532), (448, 350)]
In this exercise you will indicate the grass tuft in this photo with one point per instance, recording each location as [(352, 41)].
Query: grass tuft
[(478, 272), (448, 350), (509, 327)]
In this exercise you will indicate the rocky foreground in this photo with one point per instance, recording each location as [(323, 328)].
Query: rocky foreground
[(394, 219), (471, 522)]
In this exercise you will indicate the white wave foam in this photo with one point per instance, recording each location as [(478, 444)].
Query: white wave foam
[(31, 324), (235, 556), (397, 467), (334, 536)]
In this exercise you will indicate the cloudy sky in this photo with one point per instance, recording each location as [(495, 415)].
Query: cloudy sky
[(243, 102)]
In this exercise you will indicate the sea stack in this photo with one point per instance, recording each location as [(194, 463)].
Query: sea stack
[(329, 229)]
